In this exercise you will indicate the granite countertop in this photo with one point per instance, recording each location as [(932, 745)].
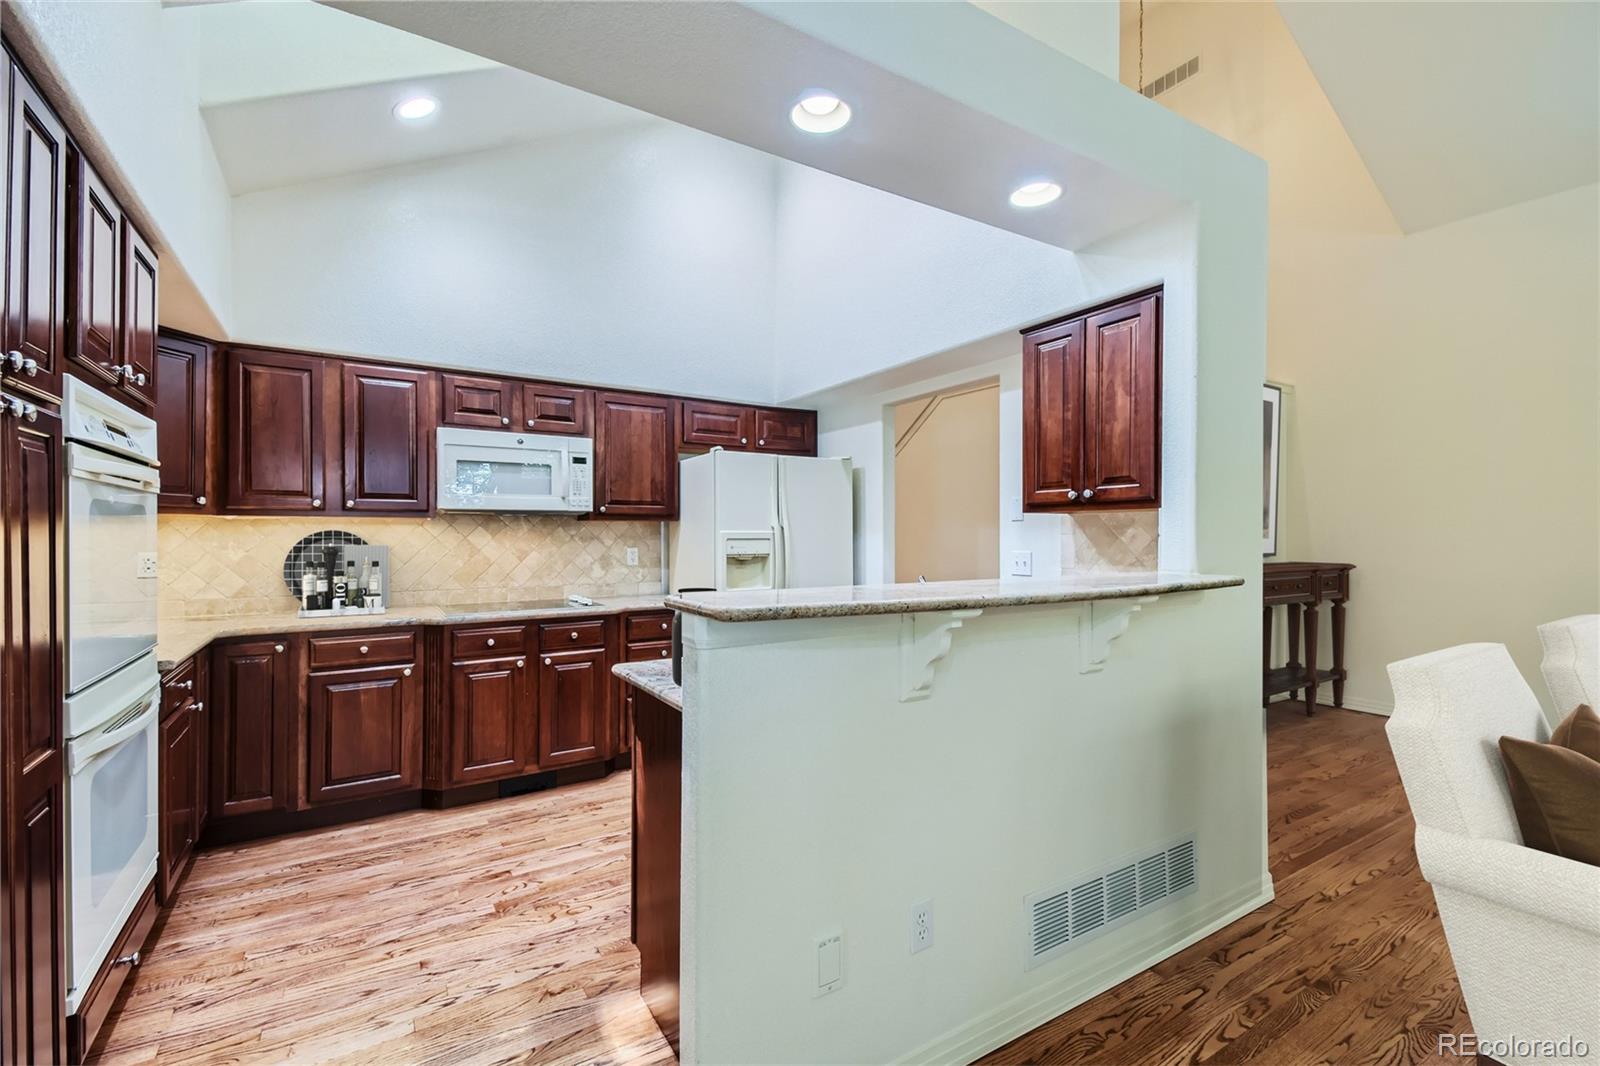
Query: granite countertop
[(851, 600), (655, 677), (177, 640)]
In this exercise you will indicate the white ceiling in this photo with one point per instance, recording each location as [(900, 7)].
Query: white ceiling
[(1460, 108), (286, 140), (734, 72)]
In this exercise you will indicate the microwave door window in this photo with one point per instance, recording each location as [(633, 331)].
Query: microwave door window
[(492, 478)]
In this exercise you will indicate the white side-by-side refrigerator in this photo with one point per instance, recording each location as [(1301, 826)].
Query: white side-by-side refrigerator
[(753, 521)]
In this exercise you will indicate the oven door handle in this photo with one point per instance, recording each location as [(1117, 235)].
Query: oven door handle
[(86, 754), (92, 467)]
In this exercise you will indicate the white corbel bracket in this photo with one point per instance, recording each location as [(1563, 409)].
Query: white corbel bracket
[(1101, 622), (924, 640)]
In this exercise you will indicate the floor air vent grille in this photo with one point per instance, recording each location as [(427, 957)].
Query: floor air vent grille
[(1080, 910)]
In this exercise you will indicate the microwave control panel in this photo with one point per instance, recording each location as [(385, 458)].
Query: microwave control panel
[(580, 490)]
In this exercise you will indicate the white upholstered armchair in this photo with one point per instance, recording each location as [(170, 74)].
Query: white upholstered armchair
[(1523, 925), (1571, 664)]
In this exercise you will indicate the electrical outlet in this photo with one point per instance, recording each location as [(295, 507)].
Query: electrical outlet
[(1021, 564), (921, 925), (147, 564), (633, 556)]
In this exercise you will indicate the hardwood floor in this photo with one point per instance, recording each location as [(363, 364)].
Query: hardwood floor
[(499, 933), (1348, 963), (491, 933)]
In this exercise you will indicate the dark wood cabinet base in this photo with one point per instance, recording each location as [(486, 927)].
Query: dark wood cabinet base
[(118, 968), (657, 845)]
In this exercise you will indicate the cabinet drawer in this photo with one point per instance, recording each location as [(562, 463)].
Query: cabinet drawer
[(650, 626), (178, 687), (1332, 583), (565, 636), (83, 1027), (479, 641), (369, 649), (1286, 589), (656, 649)]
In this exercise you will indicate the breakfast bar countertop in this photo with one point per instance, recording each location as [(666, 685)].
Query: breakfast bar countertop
[(655, 677), (850, 600), (178, 639)]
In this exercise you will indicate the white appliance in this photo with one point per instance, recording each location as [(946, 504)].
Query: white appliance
[(112, 485), (112, 779), (752, 521), (496, 470)]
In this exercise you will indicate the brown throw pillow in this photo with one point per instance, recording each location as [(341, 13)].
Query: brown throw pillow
[(1555, 787)]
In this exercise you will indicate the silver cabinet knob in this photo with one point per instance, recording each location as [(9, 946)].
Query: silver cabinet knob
[(188, 685), (13, 407), (138, 378), (666, 625), (744, 440), (406, 672), (665, 652), (523, 662), (574, 634), (128, 960), (278, 648), (317, 502), (30, 367), (490, 642), (761, 443), (530, 423), (348, 504), (602, 508), (1088, 494), (506, 421), (30, 412), (199, 705), (547, 661), (13, 360), (363, 649), (1072, 494), (200, 500)]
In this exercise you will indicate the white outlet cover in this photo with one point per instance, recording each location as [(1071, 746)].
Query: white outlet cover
[(633, 556), (921, 925), (147, 564), (1022, 564)]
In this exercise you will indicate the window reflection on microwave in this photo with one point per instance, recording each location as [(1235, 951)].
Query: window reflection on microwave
[(475, 478)]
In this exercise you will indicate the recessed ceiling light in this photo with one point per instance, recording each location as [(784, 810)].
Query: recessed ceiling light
[(820, 113), (1035, 194), (413, 108)]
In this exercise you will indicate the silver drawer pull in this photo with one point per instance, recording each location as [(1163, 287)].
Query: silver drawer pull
[(665, 652), (128, 960), (317, 502), (201, 500), (505, 421), (574, 634), (199, 705), (490, 642), (363, 649), (547, 661), (406, 672), (665, 625), (278, 648), (521, 663)]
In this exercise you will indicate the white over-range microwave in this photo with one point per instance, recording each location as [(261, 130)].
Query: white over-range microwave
[(498, 470)]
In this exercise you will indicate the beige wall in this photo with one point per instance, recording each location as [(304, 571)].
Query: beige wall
[(221, 566), (1441, 431), (947, 486)]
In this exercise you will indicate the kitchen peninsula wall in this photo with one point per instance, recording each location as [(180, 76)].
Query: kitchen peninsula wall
[(213, 567)]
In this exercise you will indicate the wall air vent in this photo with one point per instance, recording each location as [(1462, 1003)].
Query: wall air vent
[(1083, 908), (1178, 74)]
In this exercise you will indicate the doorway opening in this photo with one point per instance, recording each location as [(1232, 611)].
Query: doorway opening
[(947, 484)]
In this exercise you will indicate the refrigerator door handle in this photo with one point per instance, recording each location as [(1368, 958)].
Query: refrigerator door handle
[(782, 531)]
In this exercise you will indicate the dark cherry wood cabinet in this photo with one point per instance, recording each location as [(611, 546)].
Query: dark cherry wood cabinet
[(34, 327), (705, 424), (96, 308), (478, 402), (253, 696), (32, 755), (636, 455), (364, 731), (1091, 409), (180, 803), (491, 719), (188, 424), (278, 416), (390, 415), (555, 409), (646, 635), (140, 281), (787, 431), (572, 704)]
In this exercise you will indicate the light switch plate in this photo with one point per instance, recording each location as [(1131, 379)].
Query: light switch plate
[(830, 964), (1021, 564)]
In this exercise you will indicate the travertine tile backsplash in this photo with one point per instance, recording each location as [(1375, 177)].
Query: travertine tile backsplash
[(1110, 542), (226, 566)]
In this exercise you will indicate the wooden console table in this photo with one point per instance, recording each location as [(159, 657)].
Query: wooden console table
[(1303, 588)]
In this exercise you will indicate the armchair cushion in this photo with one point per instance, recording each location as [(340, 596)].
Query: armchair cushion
[(1556, 794)]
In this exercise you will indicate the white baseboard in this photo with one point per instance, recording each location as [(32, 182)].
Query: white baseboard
[(1040, 1004)]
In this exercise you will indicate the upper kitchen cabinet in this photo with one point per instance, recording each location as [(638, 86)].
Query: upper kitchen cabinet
[(704, 424), (636, 455), (1091, 409), (184, 376), (482, 403), (787, 431), (96, 306), (34, 323), (556, 409), (277, 431), (390, 415), (140, 273)]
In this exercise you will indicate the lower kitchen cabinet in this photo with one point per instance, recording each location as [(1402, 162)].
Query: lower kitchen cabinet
[(364, 732), (253, 692), (491, 719), (180, 801), (572, 705)]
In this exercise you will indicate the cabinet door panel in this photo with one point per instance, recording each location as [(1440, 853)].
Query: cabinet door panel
[(35, 319), (252, 694), (365, 731), (556, 409), (486, 403), (789, 432), (491, 718), (179, 795), (705, 424), (1122, 398), (389, 418), (276, 431), (636, 455), (183, 392), (572, 688), (97, 282), (1052, 415), (139, 315)]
